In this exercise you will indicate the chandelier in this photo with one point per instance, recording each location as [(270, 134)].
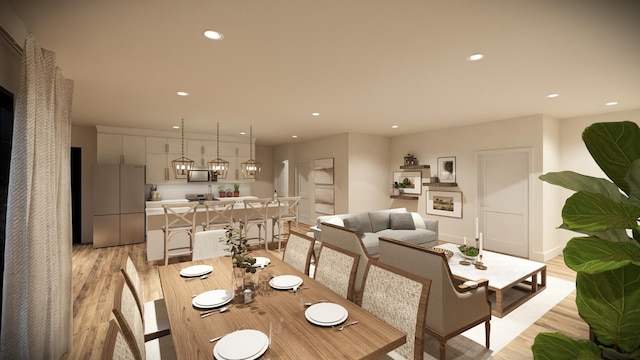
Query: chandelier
[(251, 168), (182, 165), (218, 167)]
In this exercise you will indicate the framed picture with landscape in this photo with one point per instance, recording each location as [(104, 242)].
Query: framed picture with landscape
[(410, 182), (445, 203)]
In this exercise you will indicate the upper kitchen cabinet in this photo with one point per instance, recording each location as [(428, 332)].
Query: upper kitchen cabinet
[(201, 151), (121, 149), (160, 152)]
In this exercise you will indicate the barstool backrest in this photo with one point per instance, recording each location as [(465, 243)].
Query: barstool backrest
[(219, 214)]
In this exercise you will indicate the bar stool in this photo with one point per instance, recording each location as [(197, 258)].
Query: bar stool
[(179, 218), (219, 214), (287, 213), (255, 214)]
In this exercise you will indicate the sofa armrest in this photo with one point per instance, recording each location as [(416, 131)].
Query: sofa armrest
[(431, 224), (470, 285), (317, 232)]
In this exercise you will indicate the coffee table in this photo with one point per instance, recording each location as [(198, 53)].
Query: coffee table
[(505, 273)]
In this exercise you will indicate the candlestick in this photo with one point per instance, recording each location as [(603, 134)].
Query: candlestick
[(480, 247), (477, 227), (464, 241)]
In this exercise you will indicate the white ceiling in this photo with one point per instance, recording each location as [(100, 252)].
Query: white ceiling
[(364, 65)]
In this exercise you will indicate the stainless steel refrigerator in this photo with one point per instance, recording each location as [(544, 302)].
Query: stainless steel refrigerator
[(118, 203)]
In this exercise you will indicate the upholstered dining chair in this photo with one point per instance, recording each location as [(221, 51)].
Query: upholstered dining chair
[(400, 299), (336, 269), (348, 239), (116, 345), (287, 213), (128, 317), (207, 244), (219, 214), (452, 308), (298, 251), (255, 214), (154, 313), (179, 219)]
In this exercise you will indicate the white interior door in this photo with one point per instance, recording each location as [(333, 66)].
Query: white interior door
[(302, 190), (503, 200)]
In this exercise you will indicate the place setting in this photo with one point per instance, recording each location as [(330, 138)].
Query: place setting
[(196, 271), (327, 314), (261, 262), (245, 344), (285, 282), (211, 300)]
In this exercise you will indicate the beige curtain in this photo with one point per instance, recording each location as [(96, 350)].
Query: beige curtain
[(37, 311)]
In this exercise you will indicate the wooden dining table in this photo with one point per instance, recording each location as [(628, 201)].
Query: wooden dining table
[(279, 314)]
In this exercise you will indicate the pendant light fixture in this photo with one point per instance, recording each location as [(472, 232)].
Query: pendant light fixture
[(182, 165), (218, 166), (251, 168)]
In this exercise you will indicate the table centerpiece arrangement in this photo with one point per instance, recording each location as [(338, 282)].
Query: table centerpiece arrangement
[(243, 269)]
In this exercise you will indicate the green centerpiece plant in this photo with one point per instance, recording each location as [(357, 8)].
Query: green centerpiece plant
[(237, 246), (607, 256)]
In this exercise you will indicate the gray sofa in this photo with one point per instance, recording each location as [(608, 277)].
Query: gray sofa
[(398, 224)]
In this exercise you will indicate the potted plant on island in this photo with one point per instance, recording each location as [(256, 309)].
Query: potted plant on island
[(243, 268), (221, 191), (607, 257), (236, 190)]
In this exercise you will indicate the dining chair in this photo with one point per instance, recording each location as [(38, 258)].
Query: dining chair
[(128, 317), (400, 299), (297, 252), (207, 244), (255, 214), (179, 219), (219, 214), (115, 345), (336, 269), (154, 313), (287, 213), (350, 240), (452, 308)]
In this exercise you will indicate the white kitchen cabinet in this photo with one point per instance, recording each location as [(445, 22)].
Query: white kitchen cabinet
[(121, 149), (160, 152)]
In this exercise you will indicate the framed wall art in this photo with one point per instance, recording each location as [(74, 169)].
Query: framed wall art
[(447, 169), (325, 203), (323, 171), (410, 181), (445, 203)]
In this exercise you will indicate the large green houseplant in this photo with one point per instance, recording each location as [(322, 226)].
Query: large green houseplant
[(607, 257)]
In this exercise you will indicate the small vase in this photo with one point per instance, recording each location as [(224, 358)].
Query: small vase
[(242, 280)]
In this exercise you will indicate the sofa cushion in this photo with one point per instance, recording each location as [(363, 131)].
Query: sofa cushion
[(401, 221), (335, 220), (380, 218), (371, 241), (352, 222), (421, 237), (418, 221)]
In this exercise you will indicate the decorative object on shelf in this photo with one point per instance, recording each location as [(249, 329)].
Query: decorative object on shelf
[(447, 169), (445, 203), (243, 270), (469, 253), (251, 168), (410, 181), (396, 188), (323, 171), (218, 166), (410, 160), (434, 179), (236, 190), (182, 165)]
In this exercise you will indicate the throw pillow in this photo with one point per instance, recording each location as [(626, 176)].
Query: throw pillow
[(335, 220), (401, 221), (352, 223), (418, 221)]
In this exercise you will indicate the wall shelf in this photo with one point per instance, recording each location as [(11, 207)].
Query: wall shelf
[(413, 167), (440, 184), (405, 197)]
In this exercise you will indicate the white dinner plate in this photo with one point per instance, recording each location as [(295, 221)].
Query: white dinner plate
[(212, 298), (326, 314), (241, 345), (285, 282), (196, 270), (261, 261)]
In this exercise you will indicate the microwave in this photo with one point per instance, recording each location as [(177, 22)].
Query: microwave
[(198, 175)]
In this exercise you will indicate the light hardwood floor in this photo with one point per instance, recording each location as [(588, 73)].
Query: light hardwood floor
[(95, 271)]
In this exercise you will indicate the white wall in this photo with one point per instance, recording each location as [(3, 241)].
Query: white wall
[(368, 175)]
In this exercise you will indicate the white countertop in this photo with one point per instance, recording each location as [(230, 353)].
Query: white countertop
[(156, 208)]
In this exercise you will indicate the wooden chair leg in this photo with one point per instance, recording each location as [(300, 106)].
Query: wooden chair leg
[(487, 331), (443, 349)]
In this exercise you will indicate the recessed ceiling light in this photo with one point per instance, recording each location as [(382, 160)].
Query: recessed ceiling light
[(213, 35), (475, 57), (243, 133), (294, 136), (315, 114), (554, 95), (394, 126), (611, 103), (176, 127), (182, 93)]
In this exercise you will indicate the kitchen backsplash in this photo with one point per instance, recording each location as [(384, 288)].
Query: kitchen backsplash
[(178, 191)]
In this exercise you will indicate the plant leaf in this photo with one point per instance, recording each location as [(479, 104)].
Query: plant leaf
[(608, 302), (578, 182), (557, 346), (633, 179), (613, 146), (585, 211), (593, 255), (613, 235)]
